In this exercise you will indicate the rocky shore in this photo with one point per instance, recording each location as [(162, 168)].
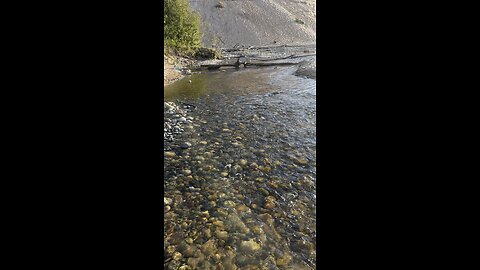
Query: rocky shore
[(307, 69), (175, 121), (174, 68)]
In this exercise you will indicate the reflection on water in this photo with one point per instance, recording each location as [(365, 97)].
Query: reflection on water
[(241, 195)]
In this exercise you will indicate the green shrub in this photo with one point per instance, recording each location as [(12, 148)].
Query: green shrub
[(207, 53), (181, 25)]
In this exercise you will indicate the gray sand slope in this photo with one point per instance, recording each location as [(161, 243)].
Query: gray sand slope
[(256, 22)]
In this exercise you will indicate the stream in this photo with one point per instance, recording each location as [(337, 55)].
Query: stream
[(240, 170)]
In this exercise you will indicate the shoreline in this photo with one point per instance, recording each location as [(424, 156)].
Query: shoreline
[(307, 69), (174, 68)]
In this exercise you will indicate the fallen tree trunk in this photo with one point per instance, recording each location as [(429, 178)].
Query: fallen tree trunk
[(217, 66), (287, 57), (242, 48), (269, 64), (246, 64)]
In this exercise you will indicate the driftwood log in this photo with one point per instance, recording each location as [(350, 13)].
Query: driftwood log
[(246, 64), (238, 47), (288, 57)]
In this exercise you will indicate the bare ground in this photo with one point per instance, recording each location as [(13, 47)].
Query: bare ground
[(257, 22), (174, 68), (169, 72)]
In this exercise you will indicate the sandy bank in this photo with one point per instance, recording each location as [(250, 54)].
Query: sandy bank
[(174, 68)]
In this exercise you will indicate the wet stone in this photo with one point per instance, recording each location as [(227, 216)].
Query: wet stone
[(240, 196), (230, 200), (169, 154), (257, 230), (207, 232), (269, 205), (167, 201), (185, 145), (190, 251), (284, 260), (229, 203), (187, 172), (219, 223), (177, 256), (237, 168), (209, 248), (243, 208), (249, 246), (270, 199), (264, 191), (193, 262), (199, 158), (173, 265), (221, 234)]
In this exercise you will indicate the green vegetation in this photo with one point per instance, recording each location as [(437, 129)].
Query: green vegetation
[(181, 26), (206, 53), (182, 35)]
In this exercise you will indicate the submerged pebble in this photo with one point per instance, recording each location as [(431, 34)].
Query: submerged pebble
[(240, 180), (249, 245)]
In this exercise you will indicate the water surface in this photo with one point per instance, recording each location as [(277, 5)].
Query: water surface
[(243, 194)]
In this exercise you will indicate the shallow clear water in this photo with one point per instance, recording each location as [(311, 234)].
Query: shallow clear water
[(243, 194)]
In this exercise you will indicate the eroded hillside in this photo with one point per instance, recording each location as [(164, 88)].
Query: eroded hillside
[(229, 23)]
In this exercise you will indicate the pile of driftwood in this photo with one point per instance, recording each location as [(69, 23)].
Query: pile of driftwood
[(255, 62)]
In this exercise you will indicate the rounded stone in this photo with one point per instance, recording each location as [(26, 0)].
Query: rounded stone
[(269, 205), (169, 154), (249, 246), (243, 208), (221, 234), (270, 199), (185, 145), (170, 249), (177, 256), (167, 201), (229, 203)]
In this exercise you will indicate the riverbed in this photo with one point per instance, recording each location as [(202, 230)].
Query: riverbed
[(240, 170)]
